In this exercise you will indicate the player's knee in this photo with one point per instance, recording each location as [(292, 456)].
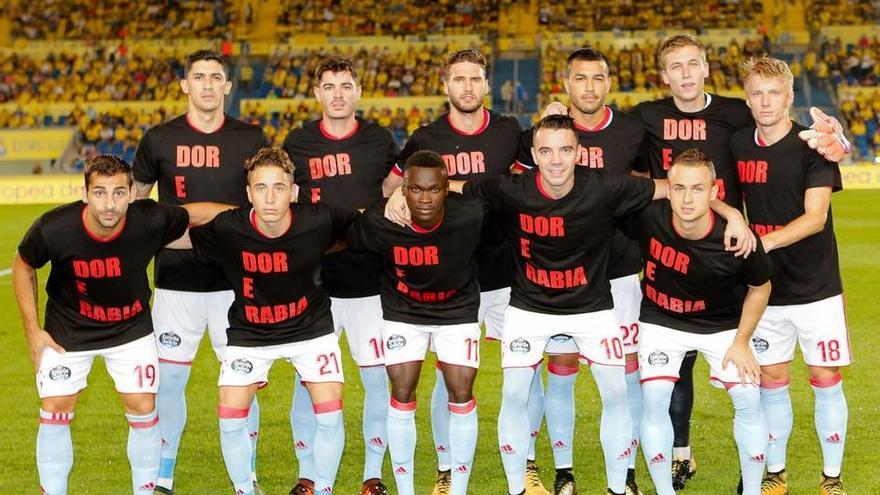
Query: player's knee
[(139, 404), (403, 394), (823, 374), (460, 395), (563, 360), (62, 404), (777, 374)]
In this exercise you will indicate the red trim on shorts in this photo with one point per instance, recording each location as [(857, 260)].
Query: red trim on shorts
[(224, 412), (96, 237), (403, 406), (771, 385), (438, 365), (846, 327), (460, 409), (672, 379), (196, 128), (144, 424), (538, 364), (727, 385), (371, 366), (491, 339), (331, 137), (328, 407), (483, 126), (171, 361), (561, 370), (632, 367), (834, 380)]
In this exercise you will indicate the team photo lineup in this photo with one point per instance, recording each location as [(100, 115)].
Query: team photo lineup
[(593, 238)]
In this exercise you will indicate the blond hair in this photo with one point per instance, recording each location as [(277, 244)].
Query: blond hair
[(675, 42), (768, 68), (694, 158)]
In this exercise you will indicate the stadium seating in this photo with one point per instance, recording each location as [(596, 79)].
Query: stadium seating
[(822, 13)]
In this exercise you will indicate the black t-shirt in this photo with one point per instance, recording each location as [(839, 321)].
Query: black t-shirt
[(347, 174), (188, 166), (279, 297), (562, 245), (692, 285), (612, 146), (489, 152), (669, 132), (99, 295), (429, 276), (774, 180)]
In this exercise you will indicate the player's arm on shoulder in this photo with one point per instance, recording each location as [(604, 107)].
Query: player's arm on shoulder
[(738, 237), (826, 136), (817, 200), (391, 182), (555, 108), (25, 286), (202, 212), (142, 190)]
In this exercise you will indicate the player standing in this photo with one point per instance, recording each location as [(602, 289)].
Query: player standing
[(698, 297), (98, 305), (475, 143), (348, 159), (787, 191), (271, 254), (197, 156), (609, 142), (430, 294)]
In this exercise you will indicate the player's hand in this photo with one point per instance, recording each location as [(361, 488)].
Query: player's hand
[(396, 209), (740, 355), (39, 340), (826, 136), (555, 108), (739, 238)]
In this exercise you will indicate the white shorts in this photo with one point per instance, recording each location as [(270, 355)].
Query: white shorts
[(526, 334), (180, 318), (361, 318), (662, 350), (454, 344), (493, 303), (317, 360), (134, 367), (627, 295), (819, 327)]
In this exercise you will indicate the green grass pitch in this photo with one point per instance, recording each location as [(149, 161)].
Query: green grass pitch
[(99, 430)]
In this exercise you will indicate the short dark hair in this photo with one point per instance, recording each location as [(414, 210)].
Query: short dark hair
[(695, 158), (554, 122), (425, 159), (335, 65), (269, 157), (209, 55), (107, 166), (586, 54), (471, 55)]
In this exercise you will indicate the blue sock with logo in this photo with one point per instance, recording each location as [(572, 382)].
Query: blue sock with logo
[(171, 406), (303, 427), (513, 439), (235, 446), (536, 410), (831, 417), (144, 449), (656, 433), (440, 421), (402, 444), (376, 397), (463, 427), (559, 410), (329, 442), (54, 451)]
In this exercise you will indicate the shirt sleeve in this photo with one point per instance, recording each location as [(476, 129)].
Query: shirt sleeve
[(392, 155), (628, 194), (145, 168), (489, 191), (408, 150), (524, 158), (756, 269), (205, 240), (362, 234), (341, 222), (33, 248), (822, 172), (176, 222)]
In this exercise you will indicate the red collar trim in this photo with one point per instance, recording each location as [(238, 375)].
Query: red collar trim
[(760, 142), (541, 187), (327, 134), (420, 230), (96, 237), (253, 218), (709, 231), (485, 125), (606, 121), (196, 128)]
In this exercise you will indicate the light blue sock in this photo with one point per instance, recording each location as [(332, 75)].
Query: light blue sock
[(303, 428), (559, 411), (144, 449), (536, 410), (776, 403), (376, 398), (513, 439), (253, 427), (831, 416), (329, 442), (440, 421), (615, 428), (54, 452), (463, 428), (171, 406), (634, 399), (750, 433), (656, 433), (236, 448), (402, 444)]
